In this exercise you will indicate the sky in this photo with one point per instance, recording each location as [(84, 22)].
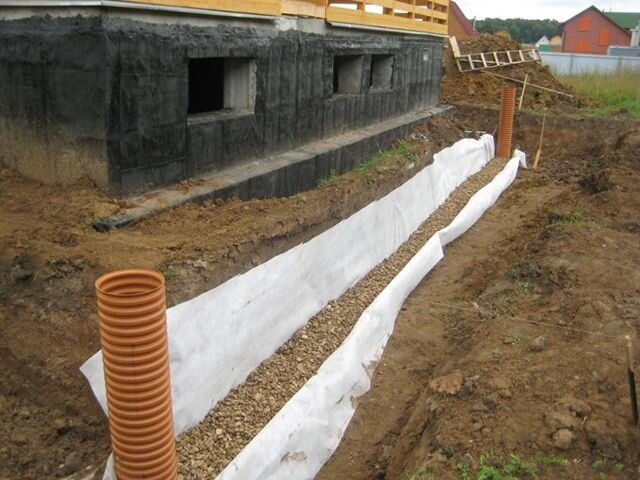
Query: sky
[(556, 9)]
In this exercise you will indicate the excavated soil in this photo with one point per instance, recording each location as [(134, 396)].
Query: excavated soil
[(50, 256), (481, 88), (514, 345), (523, 321)]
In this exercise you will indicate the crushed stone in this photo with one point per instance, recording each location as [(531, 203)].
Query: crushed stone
[(205, 450)]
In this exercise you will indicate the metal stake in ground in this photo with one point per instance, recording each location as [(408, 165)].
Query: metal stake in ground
[(632, 381), (505, 127)]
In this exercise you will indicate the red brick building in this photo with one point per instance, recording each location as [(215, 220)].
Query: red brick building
[(592, 31)]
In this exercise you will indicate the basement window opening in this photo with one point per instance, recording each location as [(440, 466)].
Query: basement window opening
[(381, 75), (347, 74), (222, 84)]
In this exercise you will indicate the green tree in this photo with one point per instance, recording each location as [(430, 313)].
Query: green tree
[(521, 30)]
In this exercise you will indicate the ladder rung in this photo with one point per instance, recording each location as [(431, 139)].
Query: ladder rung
[(473, 59)]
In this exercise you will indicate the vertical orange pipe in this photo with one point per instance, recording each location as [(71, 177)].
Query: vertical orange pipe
[(133, 336), (505, 125)]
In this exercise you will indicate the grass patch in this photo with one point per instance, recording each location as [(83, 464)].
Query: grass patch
[(614, 92), (604, 465), (402, 150), (524, 286), (524, 271), (168, 274), (328, 180), (507, 467), (522, 274), (572, 218), (465, 471), (513, 468)]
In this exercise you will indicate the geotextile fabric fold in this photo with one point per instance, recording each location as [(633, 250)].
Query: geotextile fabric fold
[(219, 337)]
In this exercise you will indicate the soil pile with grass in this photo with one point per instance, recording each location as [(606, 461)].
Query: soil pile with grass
[(483, 88)]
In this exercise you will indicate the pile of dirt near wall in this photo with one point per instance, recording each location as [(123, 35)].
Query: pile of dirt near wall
[(484, 88)]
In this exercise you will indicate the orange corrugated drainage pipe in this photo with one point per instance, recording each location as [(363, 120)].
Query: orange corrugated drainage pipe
[(133, 335), (505, 126)]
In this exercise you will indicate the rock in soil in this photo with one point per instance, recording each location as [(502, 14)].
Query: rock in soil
[(449, 384), (563, 439), (538, 344)]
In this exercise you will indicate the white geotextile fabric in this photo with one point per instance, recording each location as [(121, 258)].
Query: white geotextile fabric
[(219, 337), (302, 436)]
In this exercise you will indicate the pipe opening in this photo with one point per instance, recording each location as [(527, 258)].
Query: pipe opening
[(129, 283)]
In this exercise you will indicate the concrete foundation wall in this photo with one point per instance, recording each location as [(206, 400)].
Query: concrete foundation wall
[(108, 97), (53, 99)]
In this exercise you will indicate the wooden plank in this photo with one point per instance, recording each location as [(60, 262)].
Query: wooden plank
[(407, 7), (344, 15), (260, 7), (379, 3), (524, 87), (427, 16), (539, 151), (304, 8), (455, 49), (530, 85)]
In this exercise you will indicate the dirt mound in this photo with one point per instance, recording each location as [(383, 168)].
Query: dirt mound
[(484, 88), (486, 42)]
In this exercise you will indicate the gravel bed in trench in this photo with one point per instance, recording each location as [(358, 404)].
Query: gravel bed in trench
[(205, 450)]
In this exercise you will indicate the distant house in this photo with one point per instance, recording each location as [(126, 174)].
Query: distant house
[(594, 31), (459, 25), (555, 44), (627, 20), (543, 41)]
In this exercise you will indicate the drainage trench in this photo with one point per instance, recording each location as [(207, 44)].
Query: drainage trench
[(205, 450)]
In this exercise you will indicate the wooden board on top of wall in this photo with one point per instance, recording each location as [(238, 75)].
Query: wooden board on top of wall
[(304, 8), (359, 17), (259, 7)]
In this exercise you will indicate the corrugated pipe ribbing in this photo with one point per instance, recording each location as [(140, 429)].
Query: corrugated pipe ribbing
[(505, 127), (133, 336)]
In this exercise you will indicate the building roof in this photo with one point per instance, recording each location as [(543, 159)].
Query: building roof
[(462, 18), (544, 40), (557, 40), (600, 12), (626, 20)]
